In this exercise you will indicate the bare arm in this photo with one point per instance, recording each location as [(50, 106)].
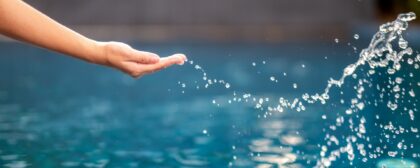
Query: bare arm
[(20, 21)]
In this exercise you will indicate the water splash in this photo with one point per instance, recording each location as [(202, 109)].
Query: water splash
[(380, 54)]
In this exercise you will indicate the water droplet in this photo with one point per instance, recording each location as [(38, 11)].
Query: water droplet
[(410, 61), (272, 78), (407, 16), (402, 43), (400, 145), (396, 88), (356, 36), (227, 85), (360, 105), (392, 153), (392, 106), (295, 85), (336, 40), (398, 80), (411, 92), (204, 131), (411, 113), (349, 111)]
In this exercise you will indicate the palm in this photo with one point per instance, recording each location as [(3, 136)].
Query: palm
[(137, 63)]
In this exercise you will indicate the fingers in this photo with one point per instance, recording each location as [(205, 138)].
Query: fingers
[(182, 58), (136, 69), (144, 57), (165, 62)]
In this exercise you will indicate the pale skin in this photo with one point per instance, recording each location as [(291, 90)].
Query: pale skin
[(20, 21)]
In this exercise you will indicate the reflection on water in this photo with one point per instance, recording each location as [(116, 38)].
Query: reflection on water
[(267, 150), (102, 133), (283, 141)]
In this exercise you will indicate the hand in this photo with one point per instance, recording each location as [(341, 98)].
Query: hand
[(133, 62)]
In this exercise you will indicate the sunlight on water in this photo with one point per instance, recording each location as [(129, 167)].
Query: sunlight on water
[(386, 55)]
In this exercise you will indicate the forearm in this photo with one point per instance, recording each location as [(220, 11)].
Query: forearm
[(20, 21)]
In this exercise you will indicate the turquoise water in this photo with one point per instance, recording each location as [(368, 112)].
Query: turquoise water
[(60, 112)]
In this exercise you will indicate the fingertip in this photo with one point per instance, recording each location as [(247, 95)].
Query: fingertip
[(181, 63), (181, 58)]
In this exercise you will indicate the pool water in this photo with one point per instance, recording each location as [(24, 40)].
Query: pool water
[(59, 112)]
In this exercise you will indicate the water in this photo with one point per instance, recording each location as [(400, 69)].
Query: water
[(59, 112), (381, 53), (356, 36)]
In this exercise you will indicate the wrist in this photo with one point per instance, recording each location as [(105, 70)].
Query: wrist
[(98, 53)]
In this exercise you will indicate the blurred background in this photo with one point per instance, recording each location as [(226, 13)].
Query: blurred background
[(222, 20)]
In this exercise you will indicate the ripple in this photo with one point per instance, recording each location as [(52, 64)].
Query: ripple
[(99, 164), (279, 160), (9, 157), (70, 164), (292, 140), (17, 164), (396, 163)]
